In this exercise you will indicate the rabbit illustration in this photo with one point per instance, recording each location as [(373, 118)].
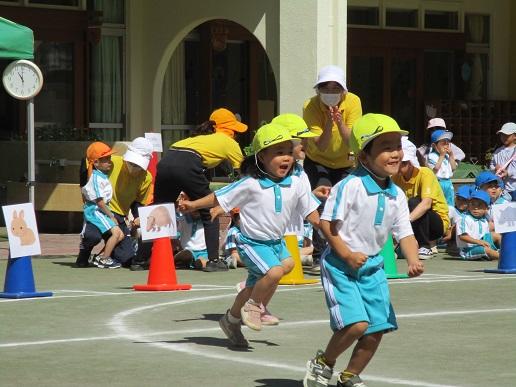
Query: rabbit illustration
[(19, 228), (158, 217)]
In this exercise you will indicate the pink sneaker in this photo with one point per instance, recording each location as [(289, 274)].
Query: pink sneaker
[(251, 316), (267, 318)]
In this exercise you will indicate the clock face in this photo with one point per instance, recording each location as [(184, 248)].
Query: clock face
[(22, 79)]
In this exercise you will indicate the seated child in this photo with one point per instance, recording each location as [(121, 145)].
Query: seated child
[(442, 162), (455, 213), (230, 248), (97, 194), (503, 162), (493, 185), (473, 236), (191, 236)]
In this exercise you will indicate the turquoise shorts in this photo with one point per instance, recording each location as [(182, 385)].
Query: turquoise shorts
[(93, 215), (260, 256), (354, 296), (477, 252), (449, 194)]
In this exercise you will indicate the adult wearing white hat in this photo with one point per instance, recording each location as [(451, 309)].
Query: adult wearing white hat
[(503, 162), (427, 205), (132, 188), (330, 114)]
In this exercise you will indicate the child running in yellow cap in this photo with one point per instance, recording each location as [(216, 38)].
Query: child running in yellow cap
[(268, 197), (362, 211)]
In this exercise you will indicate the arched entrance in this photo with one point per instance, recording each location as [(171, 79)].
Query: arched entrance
[(218, 64)]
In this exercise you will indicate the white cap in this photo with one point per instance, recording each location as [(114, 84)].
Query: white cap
[(436, 122), (332, 73), (508, 128), (409, 151), (139, 152)]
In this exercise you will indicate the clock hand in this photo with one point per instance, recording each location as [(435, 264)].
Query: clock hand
[(21, 77)]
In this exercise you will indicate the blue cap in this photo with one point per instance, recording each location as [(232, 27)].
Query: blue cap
[(481, 195), (487, 177), (464, 191), (440, 135)]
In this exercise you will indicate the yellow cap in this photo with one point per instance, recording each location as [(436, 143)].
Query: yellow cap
[(295, 125), (269, 134), (370, 126)]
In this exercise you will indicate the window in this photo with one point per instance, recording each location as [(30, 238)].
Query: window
[(66, 3), (442, 20), (365, 16), (439, 75), (475, 68), (406, 18), (107, 72)]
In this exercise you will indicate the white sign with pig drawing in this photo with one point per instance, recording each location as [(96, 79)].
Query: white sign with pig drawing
[(504, 216), (158, 221), (22, 230)]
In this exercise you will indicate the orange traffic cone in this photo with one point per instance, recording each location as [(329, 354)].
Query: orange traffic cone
[(162, 271), (295, 277)]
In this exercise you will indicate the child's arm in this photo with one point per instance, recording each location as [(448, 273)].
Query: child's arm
[(105, 209), (409, 249), (354, 259), (322, 192), (215, 212), (451, 159), (469, 239), (313, 218), (186, 206), (439, 161)]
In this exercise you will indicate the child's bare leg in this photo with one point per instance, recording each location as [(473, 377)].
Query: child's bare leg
[(264, 284), (497, 238), (492, 254), (363, 353), (342, 340), (116, 236), (240, 300), (287, 265)]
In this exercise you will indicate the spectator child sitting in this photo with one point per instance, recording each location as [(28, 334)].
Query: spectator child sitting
[(230, 248), (423, 151), (191, 236), (455, 213), (473, 236), (97, 194), (442, 161), (493, 185), (503, 162)]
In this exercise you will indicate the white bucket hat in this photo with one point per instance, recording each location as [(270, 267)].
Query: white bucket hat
[(409, 151), (332, 73), (139, 152)]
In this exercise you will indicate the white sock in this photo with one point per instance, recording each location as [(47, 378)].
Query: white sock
[(232, 319)]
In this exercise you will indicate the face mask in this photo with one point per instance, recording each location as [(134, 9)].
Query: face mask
[(330, 99)]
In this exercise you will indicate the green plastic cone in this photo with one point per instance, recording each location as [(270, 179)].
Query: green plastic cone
[(389, 260)]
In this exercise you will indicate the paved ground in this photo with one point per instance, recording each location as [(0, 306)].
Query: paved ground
[(51, 244)]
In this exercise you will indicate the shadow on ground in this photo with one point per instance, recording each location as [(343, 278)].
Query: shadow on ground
[(278, 383)]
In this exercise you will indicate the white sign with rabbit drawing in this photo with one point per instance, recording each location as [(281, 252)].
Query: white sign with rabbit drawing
[(22, 230), (158, 221)]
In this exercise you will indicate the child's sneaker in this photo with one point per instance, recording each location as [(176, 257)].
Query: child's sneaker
[(94, 259), (233, 332), (108, 263), (251, 316), (317, 374), (267, 318), (231, 262), (240, 286), (307, 260), (424, 253), (354, 381)]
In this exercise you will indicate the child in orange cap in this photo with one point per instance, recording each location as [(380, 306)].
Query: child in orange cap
[(96, 194)]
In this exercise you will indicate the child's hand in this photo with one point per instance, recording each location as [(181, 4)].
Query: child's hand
[(322, 192), (216, 212), (415, 269), (485, 244), (356, 260)]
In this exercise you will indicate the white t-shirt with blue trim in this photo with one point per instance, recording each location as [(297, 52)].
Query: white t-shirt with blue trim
[(366, 213), (267, 207), (474, 227), (446, 171), (98, 187), (191, 233)]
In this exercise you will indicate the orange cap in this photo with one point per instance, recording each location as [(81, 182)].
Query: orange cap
[(235, 211), (97, 150), (226, 121)]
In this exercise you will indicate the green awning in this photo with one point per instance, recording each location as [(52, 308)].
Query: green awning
[(16, 41)]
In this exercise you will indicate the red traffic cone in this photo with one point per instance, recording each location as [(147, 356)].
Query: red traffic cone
[(162, 271)]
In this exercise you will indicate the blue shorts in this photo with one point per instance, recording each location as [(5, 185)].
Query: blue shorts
[(449, 194), (359, 295), (477, 252), (93, 215), (260, 256)]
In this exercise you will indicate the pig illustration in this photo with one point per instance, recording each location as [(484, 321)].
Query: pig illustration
[(158, 217)]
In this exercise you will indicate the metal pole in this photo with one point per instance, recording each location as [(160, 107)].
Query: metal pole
[(30, 141)]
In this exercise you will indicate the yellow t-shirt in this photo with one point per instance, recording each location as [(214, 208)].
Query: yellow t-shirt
[(315, 113), (127, 188), (424, 184), (213, 148)]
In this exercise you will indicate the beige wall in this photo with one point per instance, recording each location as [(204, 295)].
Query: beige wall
[(298, 36)]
